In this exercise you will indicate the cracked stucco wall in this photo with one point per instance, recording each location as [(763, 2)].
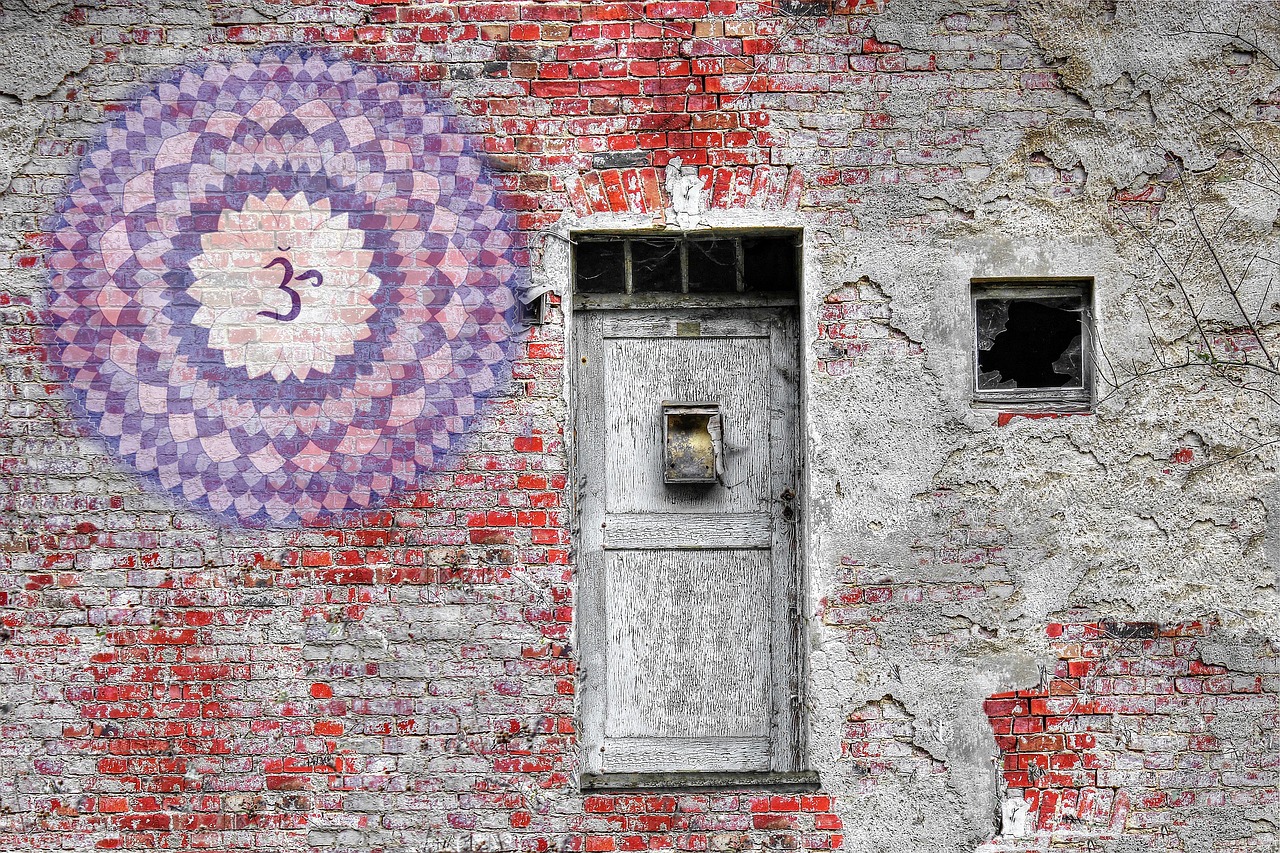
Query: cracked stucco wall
[(1093, 514), (402, 684)]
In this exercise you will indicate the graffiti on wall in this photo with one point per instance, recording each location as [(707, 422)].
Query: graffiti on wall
[(281, 288)]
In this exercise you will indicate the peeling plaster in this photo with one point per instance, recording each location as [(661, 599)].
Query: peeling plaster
[(36, 51), (19, 127), (1156, 507)]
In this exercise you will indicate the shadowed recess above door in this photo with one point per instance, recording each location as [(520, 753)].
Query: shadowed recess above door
[(716, 264)]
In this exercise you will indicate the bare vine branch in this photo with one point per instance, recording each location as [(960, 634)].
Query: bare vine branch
[(1222, 271), (1177, 280)]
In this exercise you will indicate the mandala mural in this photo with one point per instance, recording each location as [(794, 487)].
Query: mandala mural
[(281, 288)]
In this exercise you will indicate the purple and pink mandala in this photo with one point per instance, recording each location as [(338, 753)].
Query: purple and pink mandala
[(282, 288)]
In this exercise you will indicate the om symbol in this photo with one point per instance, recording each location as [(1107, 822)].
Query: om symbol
[(295, 300)]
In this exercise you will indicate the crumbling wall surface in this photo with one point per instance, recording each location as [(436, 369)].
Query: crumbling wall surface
[(1022, 630), (1135, 728), (1153, 175)]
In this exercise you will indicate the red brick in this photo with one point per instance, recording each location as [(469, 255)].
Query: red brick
[(774, 821)]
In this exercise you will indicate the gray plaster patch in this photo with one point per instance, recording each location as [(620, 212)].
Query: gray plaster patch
[(40, 7), (1161, 62), (1208, 828), (273, 9), (37, 52), (19, 126), (907, 816), (1158, 45), (1252, 654)]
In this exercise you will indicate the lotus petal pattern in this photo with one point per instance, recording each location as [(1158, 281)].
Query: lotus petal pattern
[(282, 288)]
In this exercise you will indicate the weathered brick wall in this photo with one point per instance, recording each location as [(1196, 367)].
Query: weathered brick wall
[(402, 679), (1134, 730)]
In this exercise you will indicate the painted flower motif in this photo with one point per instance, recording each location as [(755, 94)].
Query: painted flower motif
[(302, 309), (281, 288)]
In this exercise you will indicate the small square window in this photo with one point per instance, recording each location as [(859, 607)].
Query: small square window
[(1032, 343)]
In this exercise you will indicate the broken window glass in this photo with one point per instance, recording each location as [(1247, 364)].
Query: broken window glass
[(599, 267), (1029, 343), (1032, 343)]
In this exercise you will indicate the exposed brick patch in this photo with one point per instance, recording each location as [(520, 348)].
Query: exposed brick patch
[(725, 821), (878, 739), (856, 321), (635, 191), (832, 7), (642, 190), (1134, 732), (1049, 180), (1006, 418), (1141, 203), (759, 188), (868, 600)]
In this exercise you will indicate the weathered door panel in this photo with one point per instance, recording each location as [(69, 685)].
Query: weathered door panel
[(696, 608), (687, 601), (640, 374)]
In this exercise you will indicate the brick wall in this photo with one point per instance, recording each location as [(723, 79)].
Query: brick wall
[(1132, 730), (402, 679)]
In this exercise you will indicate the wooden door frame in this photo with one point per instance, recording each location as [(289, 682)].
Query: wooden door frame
[(585, 397)]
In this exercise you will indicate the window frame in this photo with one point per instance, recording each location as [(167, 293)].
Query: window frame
[(1067, 400), (629, 299)]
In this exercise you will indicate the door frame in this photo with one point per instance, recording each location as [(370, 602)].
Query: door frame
[(583, 398)]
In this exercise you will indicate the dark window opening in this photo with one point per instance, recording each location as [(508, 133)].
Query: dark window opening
[(1032, 342), (766, 269), (762, 265), (599, 267), (655, 266), (713, 266)]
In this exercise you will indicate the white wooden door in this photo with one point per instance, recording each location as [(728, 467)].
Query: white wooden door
[(687, 593)]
